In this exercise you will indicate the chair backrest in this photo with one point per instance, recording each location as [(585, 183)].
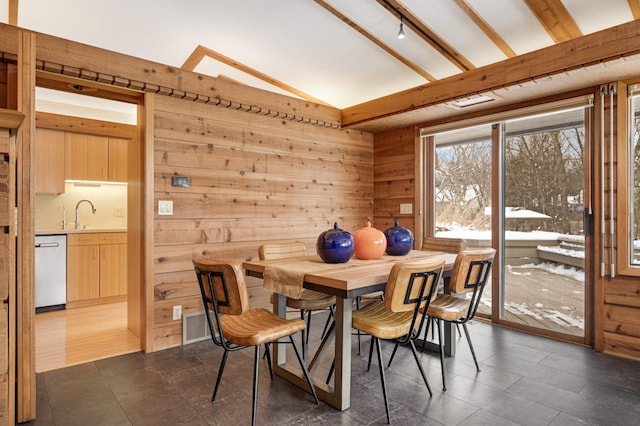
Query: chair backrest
[(282, 250), (222, 285), (470, 274), (449, 245), (412, 285)]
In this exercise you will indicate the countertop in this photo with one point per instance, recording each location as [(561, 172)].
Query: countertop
[(77, 231)]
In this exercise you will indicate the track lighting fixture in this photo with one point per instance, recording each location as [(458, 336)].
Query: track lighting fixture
[(401, 34)]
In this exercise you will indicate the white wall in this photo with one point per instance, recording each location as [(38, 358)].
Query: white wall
[(106, 198)]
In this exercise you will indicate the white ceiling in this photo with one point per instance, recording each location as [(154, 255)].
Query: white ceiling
[(301, 44)]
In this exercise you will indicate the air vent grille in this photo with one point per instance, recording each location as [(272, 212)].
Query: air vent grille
[(194, 328)]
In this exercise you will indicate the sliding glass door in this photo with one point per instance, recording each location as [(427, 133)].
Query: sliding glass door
[(535, 167), (544, 241), (463, 190)]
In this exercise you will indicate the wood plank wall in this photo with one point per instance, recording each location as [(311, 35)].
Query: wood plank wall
[(253, 179), (617, 297), (394, 177)]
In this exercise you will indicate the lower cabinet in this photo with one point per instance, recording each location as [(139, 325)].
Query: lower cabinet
[(96, 268)]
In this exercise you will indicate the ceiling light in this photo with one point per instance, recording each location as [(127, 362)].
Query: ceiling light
[(469, 101), (401, 34)]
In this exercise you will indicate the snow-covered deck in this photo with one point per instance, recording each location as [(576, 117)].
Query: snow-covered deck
[(544, 278)]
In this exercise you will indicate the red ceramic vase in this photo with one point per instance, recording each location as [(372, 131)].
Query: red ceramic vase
[(370, 243)]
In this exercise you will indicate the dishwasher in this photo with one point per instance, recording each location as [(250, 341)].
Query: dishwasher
[(51, 272)]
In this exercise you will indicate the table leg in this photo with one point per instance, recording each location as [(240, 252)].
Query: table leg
[(338, 395), (449, 339), (342, 383), (280, 351)]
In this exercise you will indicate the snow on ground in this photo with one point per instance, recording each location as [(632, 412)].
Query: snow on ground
[(553, 268), (455, 231), (577, 254), (542, 306)]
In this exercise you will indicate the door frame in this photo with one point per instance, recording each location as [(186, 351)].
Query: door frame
[(137, 225)]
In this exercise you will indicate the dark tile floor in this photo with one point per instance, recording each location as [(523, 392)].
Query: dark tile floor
[(525, 380)]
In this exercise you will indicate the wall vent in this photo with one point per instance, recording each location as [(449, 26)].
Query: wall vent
[(194, 328)]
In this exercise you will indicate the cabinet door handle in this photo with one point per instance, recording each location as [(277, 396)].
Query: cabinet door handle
[(95, 253)]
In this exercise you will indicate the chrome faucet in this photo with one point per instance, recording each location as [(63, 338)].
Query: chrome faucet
[(64, 217), (93, 210)]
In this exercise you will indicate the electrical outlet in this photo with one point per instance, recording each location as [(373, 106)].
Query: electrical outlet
[(118, 211), (177, 312), (165, 208)]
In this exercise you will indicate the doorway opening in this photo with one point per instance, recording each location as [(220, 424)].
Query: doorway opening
[(89, 129)]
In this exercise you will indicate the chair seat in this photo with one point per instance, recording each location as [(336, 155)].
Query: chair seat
[(448, 307), (380, 322), (310, 300), (257, 326)]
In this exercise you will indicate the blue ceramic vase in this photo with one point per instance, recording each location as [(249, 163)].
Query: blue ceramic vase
[(335, 245), (399, 240)]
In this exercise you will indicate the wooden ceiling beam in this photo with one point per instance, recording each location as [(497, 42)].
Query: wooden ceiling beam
[(376, 40), (555, 18), (201, 52), (485, 28), (13, 12), (411, 20), (634, 5), (599, 47)]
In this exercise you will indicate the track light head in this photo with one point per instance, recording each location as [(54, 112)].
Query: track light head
[(401, 34)]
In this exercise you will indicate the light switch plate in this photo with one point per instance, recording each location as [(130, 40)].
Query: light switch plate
[(165, 208), (406, 208)]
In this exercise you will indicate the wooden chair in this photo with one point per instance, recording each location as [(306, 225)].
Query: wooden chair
[(233, 325), (468, 278), (411, 286), (309, 300), (449, 245)]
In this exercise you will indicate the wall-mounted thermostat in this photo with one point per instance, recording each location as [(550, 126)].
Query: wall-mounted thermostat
[(181, 181)]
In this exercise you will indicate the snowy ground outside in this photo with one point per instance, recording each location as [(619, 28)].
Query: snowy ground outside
[(546, 295)]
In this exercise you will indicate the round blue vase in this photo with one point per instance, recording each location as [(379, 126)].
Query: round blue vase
[(335, 245), (399, 240)]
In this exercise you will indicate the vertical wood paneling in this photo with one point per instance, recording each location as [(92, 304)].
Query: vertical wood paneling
[(25, 287), (7, 277), (253, 179), (617, 297)]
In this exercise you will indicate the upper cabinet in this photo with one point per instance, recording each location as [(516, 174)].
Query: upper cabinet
[(90, 157), (49, 161), (75, 156), (118, 159), (87, 157)]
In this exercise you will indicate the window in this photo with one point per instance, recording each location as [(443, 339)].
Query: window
[(634, 180)]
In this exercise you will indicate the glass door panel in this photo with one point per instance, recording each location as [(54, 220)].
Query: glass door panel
[(463, 190), (544, 254)]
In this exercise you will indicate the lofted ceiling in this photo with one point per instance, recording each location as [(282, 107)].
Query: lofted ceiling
[(340, 53)]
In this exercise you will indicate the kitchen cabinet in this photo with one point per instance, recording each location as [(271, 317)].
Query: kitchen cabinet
[(118, 159), (100, 158), (96, 268), (49, 161), (113, 265), (86, 157)]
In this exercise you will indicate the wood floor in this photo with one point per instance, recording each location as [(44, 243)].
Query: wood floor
[(79, 335)]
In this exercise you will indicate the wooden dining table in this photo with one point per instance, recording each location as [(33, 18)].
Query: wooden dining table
[(346, 281)]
